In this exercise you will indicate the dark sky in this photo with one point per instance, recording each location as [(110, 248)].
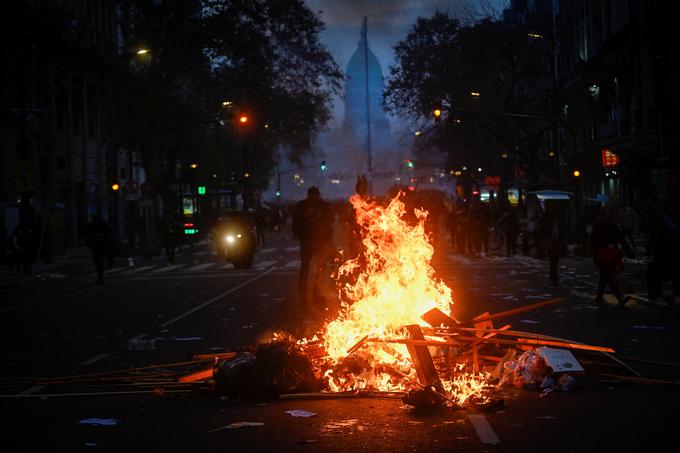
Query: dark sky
[(388, 22)]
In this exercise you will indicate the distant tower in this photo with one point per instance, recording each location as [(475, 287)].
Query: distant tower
[(365, 117)]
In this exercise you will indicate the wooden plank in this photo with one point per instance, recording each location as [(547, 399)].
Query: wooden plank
[(220, 355), (485, 324), (357, 345), (527, 341), (197, 376), (514, 311), (422, 360), (475, 359), (436, 318)]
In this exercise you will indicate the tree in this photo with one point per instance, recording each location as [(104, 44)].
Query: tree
[(263, 56), (478, 71)]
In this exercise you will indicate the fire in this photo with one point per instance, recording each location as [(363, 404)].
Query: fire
[(396, 283), (391, 286)]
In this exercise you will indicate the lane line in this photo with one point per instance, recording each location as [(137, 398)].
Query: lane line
[(113, 270), (264, 264), (31, 390), (167, 268), (268, 250), (294, 263), (94, 359), (216, 298), (200, 267), (484, 430), (226, 266), (292, 249), (138, 269)]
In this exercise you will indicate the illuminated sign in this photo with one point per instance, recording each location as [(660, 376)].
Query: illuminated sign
[(609, 158), (188, 207)]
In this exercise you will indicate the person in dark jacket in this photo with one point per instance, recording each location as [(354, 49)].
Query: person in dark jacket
[(606, 241), (98, 237), (312, 226), (550, 233), (170, 237)]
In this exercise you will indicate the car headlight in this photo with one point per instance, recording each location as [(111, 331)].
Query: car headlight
[(230, 239)]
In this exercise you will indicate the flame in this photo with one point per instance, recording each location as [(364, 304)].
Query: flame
[(395, 285), (392, 285)]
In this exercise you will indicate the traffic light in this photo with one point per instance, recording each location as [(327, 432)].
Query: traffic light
[(278, 193), (201, 190), (576, 173), (243, 120), (115, 187), (323, 166), (408, 164)]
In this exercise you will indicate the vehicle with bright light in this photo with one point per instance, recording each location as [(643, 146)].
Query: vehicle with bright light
[(235, 240)]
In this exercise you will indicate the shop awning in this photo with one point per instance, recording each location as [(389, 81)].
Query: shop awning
[(552, 194)]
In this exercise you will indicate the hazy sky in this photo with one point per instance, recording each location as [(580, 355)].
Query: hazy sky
[(388, 22)]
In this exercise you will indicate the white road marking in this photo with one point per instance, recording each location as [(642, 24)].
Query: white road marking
[(201, 253), (200, 267), (292, 249), (227, 266), (216, 298), (267, 250), (94, 359), (32, 390), (167, 268), (294, 263), (484, 430), (113, 270), (137, 270), (264, 264)]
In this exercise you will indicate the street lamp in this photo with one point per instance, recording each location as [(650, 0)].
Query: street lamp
[(194, 165), (142, 51)]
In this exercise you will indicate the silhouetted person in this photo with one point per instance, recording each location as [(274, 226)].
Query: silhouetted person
[(509, 222), (551, 240), (627, 219), (169, 237), (260, 225), (26, 243), (98, 238), (605, 241), (312, 226)]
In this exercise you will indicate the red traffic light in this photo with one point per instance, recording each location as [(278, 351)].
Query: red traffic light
[(243, 119)]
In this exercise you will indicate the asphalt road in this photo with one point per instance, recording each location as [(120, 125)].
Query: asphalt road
[(59, 323)]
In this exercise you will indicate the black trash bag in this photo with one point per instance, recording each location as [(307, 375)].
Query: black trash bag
[(424, 399), (268, 371)]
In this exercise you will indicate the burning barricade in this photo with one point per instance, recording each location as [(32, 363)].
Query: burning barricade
[(397, 335)]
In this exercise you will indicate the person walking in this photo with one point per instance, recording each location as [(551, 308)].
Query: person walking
[(606, 241), (551, 240), (169, 237), (98, 238), (312, 226), (26, 241), (627, 220), (509, 222)]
